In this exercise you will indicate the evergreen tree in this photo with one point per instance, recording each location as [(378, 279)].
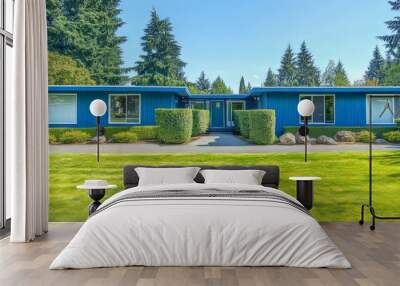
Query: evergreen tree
[(392, 41), (219, 87), (160, 62), (329, 75), (307, 74), (287, 70), (242, 86), (392, 75), (270, 80), (203, 83), (375, 73), (248, 88), (341, 78)]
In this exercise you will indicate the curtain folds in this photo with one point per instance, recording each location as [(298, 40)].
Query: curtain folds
[(27, 153)]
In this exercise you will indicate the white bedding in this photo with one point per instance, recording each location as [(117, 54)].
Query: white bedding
[(200, 231)]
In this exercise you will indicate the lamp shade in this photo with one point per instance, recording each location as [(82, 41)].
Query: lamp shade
[(305, 107), (98, 107)]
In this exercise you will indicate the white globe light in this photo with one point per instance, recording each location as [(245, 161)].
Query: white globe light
[(98, 107), (305, 108)]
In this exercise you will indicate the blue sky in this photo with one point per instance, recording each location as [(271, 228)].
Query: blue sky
[(232, 38)]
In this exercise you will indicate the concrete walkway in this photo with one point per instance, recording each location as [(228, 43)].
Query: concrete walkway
[(213, 143)]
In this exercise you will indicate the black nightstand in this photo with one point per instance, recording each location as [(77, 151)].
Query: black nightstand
[(95, 192), (304, 190)]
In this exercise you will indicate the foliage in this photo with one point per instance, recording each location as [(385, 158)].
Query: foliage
[(316, 131), (192, 87), (74, 136), (375, 71), (241, 119), (175, 125), (219, 87), (124, 137), (87, 32), (248, 88), (242, 86), (149, 132), (363, 136), (287, 70), (307, 74), (201, 121), (397, 121), (271, 79), (160, 63), (392, 41), (392, 136), (341, 78), (64, 70), (202, 83), (392, 75), (262, 126), (329, 75), (52, 139)]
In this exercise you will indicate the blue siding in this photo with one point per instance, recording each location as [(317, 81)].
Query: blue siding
[(350, 109)]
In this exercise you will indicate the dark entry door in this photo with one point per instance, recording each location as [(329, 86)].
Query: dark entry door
[(217, 113)]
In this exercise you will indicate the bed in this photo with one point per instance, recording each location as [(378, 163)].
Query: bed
[(198, 224)]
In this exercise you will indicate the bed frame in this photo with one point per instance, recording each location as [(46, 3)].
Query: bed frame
[(270, 179)]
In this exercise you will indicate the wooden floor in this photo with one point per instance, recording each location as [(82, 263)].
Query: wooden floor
[(375, 257)]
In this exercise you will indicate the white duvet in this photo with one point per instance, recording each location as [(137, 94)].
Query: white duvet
[(202, 232)]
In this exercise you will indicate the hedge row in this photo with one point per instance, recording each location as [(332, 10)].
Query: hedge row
[(257, 125), (316, 131), (201, 121), (175, 125)]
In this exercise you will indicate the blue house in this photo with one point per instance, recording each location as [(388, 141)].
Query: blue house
[(135, 105)]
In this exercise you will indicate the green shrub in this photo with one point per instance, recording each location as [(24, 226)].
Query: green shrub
[(316, 131), (242, 117), (262, 126), (175, 125), (74, 136), (363, 136), (149, 132), (124, 137), (201, 121), (58, 132), (52, 139), (392, 136)]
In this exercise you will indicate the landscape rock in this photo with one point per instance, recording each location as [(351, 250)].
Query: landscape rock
[(345, 136), (381, 141), (313, 141), (326, 140), (287, 139), (300, 139), (102, 140)]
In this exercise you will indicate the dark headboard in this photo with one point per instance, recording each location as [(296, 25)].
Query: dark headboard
[(271, 177)]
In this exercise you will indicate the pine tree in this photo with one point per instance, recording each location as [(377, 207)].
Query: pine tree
[(341, 78), (375, 72), (219, 87), (203, 83), (287, 71), (160, 62), (328, 76), (392, 41), (270, 80), (307, 74), (248, 88), (242, 86)]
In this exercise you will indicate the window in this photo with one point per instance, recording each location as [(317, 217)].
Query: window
[(198, 105), (385, 109), (231, 107), (62, 109), (124, 108), (324, 112)]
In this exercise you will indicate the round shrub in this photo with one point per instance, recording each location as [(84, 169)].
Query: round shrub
[(392, 136), (52, 139), (201, 121), (175, 125), (363, 136), (74, 136), (262, 126), (124, 137)]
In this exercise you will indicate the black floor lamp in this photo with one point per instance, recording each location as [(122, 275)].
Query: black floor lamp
[(370, 206), (306, 109), (98, 108)]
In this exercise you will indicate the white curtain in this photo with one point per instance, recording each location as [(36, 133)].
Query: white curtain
[(27, 127)]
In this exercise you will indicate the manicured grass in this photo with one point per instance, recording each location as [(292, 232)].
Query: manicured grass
[(338, 196)]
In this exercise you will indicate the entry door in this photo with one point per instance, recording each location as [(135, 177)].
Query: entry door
[(217, 114), (233, 105)]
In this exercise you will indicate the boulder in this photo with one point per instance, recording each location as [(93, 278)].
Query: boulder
[(381, 141), (326, 140), (300, 139), (102, 140), (287, 139), (313, 141), (345, 136)]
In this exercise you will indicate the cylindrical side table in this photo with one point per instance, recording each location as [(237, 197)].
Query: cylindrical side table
[(305, 190)]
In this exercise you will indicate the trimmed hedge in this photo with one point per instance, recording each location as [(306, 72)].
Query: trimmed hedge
[(262, 126), (201, 121), (74, 136), (392, 136), (124, 137), (149, 132), (316, 131), (175, 125), (363, 136), (52, 139), (242, 121)]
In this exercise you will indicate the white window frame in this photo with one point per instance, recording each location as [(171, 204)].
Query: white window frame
[(368, 102), (126, 99), (334, 109), (231, 123), (76, 109)]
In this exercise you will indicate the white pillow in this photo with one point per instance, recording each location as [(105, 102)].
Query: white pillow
[(247, 177), (166, 176)]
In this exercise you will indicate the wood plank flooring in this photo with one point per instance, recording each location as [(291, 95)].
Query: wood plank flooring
[(375, 257)]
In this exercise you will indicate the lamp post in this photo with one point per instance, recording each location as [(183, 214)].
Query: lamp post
[(98, 108), (306, 109)]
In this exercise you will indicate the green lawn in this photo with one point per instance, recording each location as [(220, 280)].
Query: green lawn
[(338, 196)]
